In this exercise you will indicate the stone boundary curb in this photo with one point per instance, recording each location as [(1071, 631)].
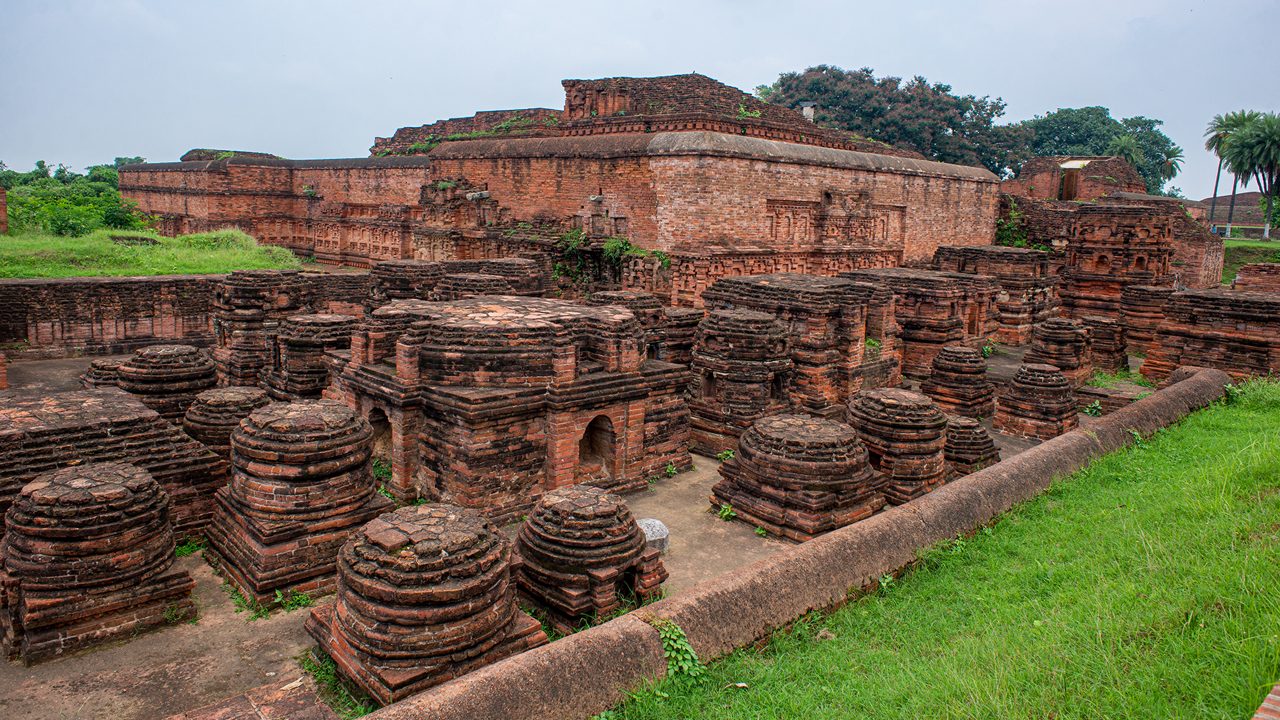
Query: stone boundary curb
[(588, 672)]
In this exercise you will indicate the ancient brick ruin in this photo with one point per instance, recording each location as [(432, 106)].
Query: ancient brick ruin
[(216, 413), (298, 369), (491, 401), (1039, 403), (1094, 211), (560, 305), (300, 484), (1108, 350), (40, 435), (425, 594), (1028, 290), (101, 373), (1112, 247), (1064, 344), (905, 434), (958, 383), (167, 378), (841, 335), (969, 447), (799, 476), (248, 308), (1082, 178), (1141, 311), (87, 558), (1258, 277), (1238, 332), (583, 555), (742, 370), (935, 309), (790, 196)]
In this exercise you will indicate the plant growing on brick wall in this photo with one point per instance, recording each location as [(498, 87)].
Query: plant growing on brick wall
[(1010, 230), (618, 248), (573, 263)]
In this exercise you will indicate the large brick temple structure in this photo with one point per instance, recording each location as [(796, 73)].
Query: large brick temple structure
[(719, 181)]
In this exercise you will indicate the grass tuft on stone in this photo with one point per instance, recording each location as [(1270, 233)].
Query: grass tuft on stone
[(1142, 586), (128, 253), (346, 701)]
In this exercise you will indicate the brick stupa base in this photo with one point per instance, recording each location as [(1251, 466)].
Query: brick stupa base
[(301, 484), (579, 547), (87, 559), (798, 477), (425, 595)]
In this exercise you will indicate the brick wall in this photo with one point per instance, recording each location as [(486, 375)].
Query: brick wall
[(695, 195), (1042, 178), (102, 316), (4, 212)]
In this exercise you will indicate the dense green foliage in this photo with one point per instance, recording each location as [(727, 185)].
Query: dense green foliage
[(119, 252), (1142, 586), (1253, 153), (916, 114), (62, 202), (941, 125), (1092, 131)]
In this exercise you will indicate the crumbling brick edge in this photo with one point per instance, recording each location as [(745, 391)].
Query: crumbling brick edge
[(588, 672)]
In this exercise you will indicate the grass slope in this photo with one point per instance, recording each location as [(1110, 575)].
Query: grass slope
[(50, 256), (1243, 252), (1143, 587)]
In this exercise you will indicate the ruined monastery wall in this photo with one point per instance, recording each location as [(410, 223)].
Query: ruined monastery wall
[(66, 317)]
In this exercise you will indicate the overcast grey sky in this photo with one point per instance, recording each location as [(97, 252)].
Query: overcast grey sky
[(86, 81)]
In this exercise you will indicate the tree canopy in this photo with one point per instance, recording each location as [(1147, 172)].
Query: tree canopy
[(61, 201), (1092, 131), (942, 125), (916, 114)]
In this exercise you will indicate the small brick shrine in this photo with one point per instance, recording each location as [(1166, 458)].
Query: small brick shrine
[(1108, 351), (1039, 403), (87, 558), (100, 373), (425, 594), (491, 401), (1028, 288), (742, 369), (582, 555), (958, 383), (841, 333), (216, 413), (167, 378), (248, 308), (969, 446), (935, 309), (798, 477), (1238, 332), (1064, 344), (299, 370), (301, 483), (905, 434), (1141, 311)]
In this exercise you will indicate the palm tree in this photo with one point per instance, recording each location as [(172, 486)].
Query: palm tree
[(1126, 146), (1214, 137), (1170, 162), (1253, 151), (1223, 127)]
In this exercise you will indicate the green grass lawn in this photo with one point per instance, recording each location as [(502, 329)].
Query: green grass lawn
[(50, 256), (1242, 252), (1146, 586)]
